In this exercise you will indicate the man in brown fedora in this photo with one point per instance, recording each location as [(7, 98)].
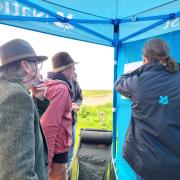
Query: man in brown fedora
[(57, 120), (23, 149)]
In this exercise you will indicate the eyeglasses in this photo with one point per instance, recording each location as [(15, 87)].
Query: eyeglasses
[(38, 64)]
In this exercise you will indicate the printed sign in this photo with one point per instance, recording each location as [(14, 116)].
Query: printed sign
[(129, 67)]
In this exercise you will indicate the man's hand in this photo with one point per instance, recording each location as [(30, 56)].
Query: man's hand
[(39, 91), (75, 107)]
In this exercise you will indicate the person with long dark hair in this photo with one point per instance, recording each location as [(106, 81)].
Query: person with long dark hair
[(152, 143)]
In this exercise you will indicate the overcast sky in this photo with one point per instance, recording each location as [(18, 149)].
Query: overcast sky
[(95, 70)]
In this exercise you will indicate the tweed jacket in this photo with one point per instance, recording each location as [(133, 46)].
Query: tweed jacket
[(23, 149)]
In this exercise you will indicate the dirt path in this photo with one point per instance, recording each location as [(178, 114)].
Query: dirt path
[(98, 100)]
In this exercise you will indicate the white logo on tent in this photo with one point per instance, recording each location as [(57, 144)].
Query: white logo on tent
[(15, 9), (172, 23)]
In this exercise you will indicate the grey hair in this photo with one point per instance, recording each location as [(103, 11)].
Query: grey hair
[(13, 71)]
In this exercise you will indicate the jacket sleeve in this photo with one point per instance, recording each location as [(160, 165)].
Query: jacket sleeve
[(51, 119), (126, 84), (17, 138)]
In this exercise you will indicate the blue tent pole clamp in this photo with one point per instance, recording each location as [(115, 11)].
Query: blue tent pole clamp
[(116, 49), (65, 20)]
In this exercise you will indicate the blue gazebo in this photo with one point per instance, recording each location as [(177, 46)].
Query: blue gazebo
[(122, 24)]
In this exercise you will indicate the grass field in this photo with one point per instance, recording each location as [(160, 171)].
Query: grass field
[(96, 93), (95, 116)]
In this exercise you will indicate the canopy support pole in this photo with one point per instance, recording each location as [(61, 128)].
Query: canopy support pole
[(116, 45)]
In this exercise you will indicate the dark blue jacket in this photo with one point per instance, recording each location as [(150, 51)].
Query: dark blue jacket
[(152, 143)]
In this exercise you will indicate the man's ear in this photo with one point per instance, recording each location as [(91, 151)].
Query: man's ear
[(26, 66), (145, 60)]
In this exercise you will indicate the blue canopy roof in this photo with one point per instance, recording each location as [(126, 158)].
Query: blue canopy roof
[(122, 24), (93, 21)]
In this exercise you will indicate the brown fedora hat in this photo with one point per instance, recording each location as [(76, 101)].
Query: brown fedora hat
[(61, 61), (16, 50)]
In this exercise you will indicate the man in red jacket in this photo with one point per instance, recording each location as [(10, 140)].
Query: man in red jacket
[(57, 120)]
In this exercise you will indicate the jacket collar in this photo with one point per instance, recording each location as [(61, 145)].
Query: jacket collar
[(59, 76)]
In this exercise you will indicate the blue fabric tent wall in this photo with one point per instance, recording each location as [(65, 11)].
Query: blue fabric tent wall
[(116, 23)]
